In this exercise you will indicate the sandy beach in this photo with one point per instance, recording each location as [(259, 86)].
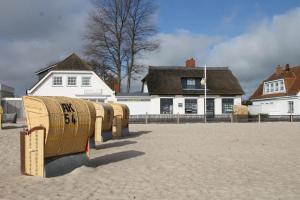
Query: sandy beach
[(186, 161)]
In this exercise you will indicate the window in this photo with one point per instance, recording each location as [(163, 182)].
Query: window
[(57, 81), (86, 81), (190, 83), (72, 81), (166, 106), (191, 106), (266, 88), (276, 86), (281, 86), (290, 106), (227, 105), (272, 87)]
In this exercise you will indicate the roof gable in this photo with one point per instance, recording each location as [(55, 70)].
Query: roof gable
[(72, 62), (167, 81)]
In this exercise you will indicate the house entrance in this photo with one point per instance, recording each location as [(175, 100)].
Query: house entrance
[(210, 107)]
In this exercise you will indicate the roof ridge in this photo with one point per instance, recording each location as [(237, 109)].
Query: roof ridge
[(185, 68)]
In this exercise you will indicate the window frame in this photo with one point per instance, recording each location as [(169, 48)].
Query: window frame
[(75, 85), (275, 86), (53, 81), (193, 111), (225, 104), (291, 107), (89, 78)]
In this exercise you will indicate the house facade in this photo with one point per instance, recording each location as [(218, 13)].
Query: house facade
[(279, 94), (178, 90), (165, 90), (71, 77)]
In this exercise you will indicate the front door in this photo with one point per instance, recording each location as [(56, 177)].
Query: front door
[(210, 107)]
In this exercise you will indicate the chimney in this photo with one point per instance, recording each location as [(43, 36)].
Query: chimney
[(116, 88), (287, 67), (190, 63), (279, 70)]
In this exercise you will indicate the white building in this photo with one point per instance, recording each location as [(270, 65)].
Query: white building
[(177, 90), (165, 90), (71, 77), (279, 94)]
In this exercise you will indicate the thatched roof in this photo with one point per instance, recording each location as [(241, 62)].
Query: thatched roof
[(72, 62), (167, 81)]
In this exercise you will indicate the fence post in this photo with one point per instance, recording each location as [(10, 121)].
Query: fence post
[(178, 118), (291, 118), (259, 117), (146, 119)]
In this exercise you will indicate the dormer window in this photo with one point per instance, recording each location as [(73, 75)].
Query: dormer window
[(191, 83), (275, 86)]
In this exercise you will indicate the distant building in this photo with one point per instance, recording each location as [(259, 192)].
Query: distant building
[(279, 94), (6, 91), (71, 77), (178, 90)]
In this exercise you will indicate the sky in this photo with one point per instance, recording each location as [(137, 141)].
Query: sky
[(250, 37)]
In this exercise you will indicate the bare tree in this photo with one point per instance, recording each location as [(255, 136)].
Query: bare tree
[(118, 32), (105, 36), (140, 28)]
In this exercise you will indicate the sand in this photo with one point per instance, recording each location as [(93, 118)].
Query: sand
[(187, 161)]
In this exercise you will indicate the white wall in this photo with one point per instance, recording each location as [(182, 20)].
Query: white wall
[(137, 107), (153, 105), (97, 89), (218, 106), (275, 106), (201, 106), (176, 108)]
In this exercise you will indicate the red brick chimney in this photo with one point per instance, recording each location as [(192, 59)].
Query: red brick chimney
[(190, 63), (287, 67), (279, 70), (116, 88)]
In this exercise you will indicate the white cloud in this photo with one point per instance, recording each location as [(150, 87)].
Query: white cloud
[(253, 56)]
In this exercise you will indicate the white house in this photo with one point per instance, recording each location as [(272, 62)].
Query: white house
[(72, 77), (279, 94), (165, 90), (177, 90)]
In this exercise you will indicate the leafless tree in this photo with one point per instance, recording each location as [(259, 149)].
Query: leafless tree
[(105, 36), (119, 31), (140, 29)]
